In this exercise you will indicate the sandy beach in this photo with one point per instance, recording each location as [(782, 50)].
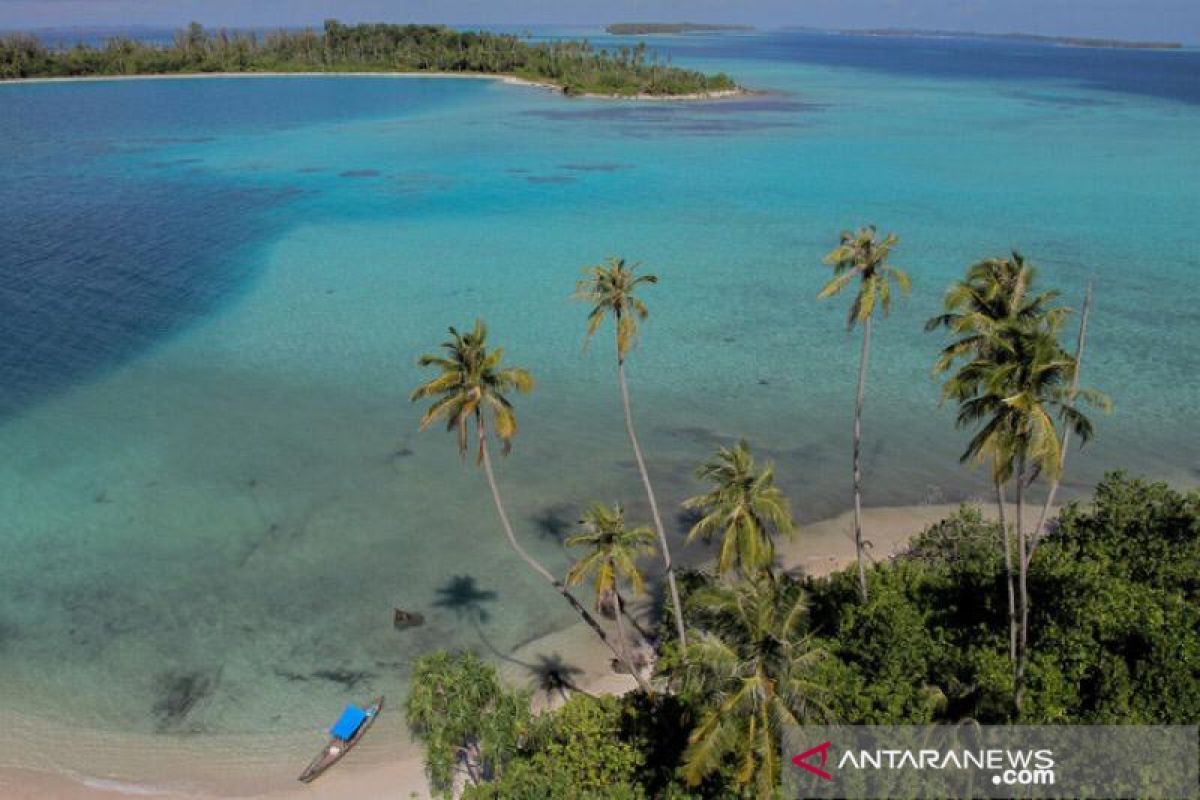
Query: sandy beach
[(46, 762), (511, 80)]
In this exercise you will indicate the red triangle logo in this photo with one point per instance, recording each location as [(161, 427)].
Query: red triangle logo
[(821, 750)]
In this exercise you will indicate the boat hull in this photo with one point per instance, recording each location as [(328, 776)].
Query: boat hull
[(336, 749)]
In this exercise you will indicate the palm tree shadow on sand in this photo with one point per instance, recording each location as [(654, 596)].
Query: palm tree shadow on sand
[(462, 595), (550, 674)]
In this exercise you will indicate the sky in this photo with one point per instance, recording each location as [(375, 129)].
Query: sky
[(1176, 20)]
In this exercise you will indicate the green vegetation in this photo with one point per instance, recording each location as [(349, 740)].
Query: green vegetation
[(576, 67), (614, 550), (747, 674), (994, 294), (471, 387), (574, 753), (1114, 639), (1094, 618), (862, 255), (1017, 376), (611, 290), (650, 28), (743, 507), (465, 717)]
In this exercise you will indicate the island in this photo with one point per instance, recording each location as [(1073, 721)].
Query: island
[(1068, 41), (574, 68), (652, 28)]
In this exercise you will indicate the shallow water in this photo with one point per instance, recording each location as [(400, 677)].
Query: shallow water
[(213, 295)]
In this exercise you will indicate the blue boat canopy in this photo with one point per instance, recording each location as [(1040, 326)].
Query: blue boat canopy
[(349, 723)]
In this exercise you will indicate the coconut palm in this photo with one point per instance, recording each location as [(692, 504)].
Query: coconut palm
[(471, 388), (613, 555), (1080, 343), (748, 664), (864, 256), (743, 507), (610, 289), (995, 294), (1019, 394)]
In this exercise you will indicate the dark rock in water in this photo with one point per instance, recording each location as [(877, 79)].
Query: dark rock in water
[(550, 179), (359, 173), (179, 692), (346, 677), (403, 620)]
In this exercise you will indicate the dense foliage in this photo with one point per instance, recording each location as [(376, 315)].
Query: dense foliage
[(579, 751), (468, 721), (575, 66), (1115, 638)]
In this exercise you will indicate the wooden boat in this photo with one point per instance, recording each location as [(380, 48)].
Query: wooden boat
[(345, 733)]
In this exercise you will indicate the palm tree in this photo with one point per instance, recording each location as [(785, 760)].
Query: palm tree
[(862, 255), (995, 294), (610, 288), (612, 558), (1080, 342), (744, 507), (1018, 396), (470, 389), (748, 663)]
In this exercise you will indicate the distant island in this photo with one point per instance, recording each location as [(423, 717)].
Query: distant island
[(1069, 41), (650, 28), (575, 68)]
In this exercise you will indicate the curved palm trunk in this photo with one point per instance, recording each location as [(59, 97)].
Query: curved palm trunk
[(858, 408), (658, 525), (1023, 588), (1066, 434), (558, 585), (1008, 575)]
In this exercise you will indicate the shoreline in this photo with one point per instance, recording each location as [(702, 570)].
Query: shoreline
[(511, 80), (253, 767)]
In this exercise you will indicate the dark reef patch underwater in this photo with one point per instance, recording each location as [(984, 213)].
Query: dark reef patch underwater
[(80, 294)]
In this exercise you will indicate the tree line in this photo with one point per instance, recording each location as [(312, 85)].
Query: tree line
[(577, 67), (1092, 617)]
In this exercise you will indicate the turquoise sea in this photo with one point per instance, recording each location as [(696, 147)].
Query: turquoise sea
[(213, 293)]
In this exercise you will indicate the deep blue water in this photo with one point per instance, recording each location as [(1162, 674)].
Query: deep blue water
[(212, 294), (1169, 74), (104, 251), (61, 250)]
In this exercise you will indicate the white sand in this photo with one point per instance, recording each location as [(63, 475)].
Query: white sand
[(512, 80), (378, 768)]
